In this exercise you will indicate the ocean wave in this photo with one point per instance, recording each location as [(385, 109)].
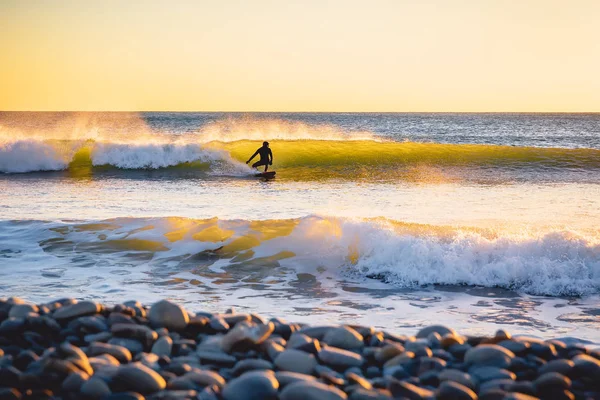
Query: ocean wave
[(554, 263), (301, 158)]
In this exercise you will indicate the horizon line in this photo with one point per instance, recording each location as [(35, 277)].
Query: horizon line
[(306, 112)]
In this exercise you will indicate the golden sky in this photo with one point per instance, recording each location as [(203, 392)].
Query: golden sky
[(309, 55)]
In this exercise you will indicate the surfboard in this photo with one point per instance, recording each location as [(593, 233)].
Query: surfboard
[(267, 175)]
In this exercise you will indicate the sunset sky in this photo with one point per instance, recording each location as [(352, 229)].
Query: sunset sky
[(311, 55)]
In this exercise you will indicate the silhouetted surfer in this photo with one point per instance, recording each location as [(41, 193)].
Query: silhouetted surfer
[(266, 156)]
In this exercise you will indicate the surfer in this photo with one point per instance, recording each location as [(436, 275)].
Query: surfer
[(266, 157)]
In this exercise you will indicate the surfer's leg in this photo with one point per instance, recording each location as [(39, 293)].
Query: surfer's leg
[(256, 165), (266, 166)]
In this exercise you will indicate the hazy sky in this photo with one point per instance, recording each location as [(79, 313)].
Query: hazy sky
[(309, 55)]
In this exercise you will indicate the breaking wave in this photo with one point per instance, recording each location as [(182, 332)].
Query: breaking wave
[(553, 263)]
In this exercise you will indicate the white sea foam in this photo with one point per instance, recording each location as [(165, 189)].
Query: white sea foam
[(551, 263), (30, 155)]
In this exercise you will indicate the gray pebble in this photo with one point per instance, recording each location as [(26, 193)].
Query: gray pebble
[(311, 390), (168, 315), (296, 361), (339, 358), (254, 385), (77, 310)]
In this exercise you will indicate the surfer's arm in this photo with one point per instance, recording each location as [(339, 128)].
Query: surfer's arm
[(271, 155), (253, 155)]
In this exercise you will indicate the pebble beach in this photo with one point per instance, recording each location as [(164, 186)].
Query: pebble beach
[(69, 349)]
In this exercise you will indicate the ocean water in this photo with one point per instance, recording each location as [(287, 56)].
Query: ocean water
[(477, 221)]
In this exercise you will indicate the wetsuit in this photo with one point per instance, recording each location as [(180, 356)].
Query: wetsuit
[(266, 157)]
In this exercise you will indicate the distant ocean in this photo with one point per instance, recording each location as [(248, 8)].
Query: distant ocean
[(478, 221)]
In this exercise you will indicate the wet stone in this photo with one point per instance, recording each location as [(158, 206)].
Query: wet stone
[(162, 346), (458, 376), (343, 338), (338, 358), (246, 335), (119, 352), (401, 389), (205, 378), (285, 377), (515, 346), (249, 365), (254, 385), (311, 390), (139, 378), (552, 381), (23, 310), (216, 357), (489, 355), (95, 388), (561, 366), (439, 329), (296, 361), (484, 374), (132, 345), (77, 310), (168, 315), (219, 324), (449, 390)]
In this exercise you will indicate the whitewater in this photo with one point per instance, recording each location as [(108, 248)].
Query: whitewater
[(484, 221)]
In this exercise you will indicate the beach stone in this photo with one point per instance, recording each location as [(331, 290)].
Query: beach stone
[(503, 384), (484, 374), (234, 319), (316, 332), (23, 310), (77, 310), (296, 361), (489, 355), (355, 379), (430, 364), (552, 381), (254, 385), (516, 347), (119, 352), (246, 335), (401, 389), (132, 345), (205, 378), (449, 390), (298, 339), (23, 359), (311, 390), (285, 377), (520, 396), (439, 329), (95, 388), (458, 376), (251, 364), (402, 359), (10, 394), (180, 383), (218, 324), (338, 358), (168, 315), (98, 337), (372, 394), (272, 349), (137, 377), (216, 357), (163, 346), (388, 352), (586, 366), (343, 338), (561, 366), (74, 381)]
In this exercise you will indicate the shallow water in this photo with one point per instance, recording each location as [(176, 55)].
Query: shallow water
[(392, 220)]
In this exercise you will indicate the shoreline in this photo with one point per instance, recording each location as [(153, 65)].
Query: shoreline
[(70, 349)]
